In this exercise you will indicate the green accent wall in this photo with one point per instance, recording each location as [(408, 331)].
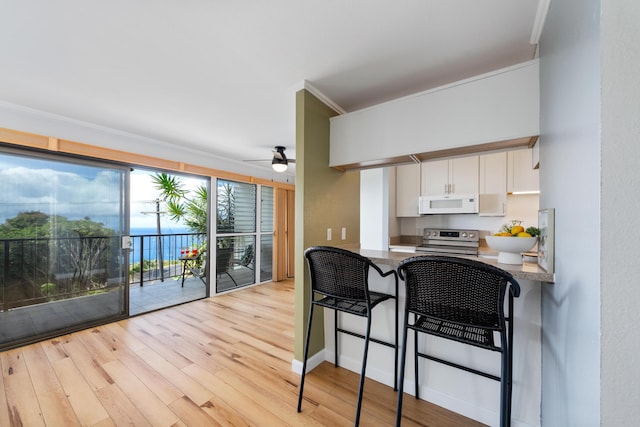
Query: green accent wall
[(325, 198)]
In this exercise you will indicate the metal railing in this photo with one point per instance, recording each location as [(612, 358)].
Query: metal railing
[(157, 256), (38, 270)]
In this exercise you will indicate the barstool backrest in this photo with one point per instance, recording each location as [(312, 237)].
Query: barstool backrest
[(457, 290), (338, 273)]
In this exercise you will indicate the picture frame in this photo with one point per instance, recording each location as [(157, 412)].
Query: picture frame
[(546, 225)]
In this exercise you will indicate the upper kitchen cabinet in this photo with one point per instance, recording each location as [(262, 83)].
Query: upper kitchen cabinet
[(407, 190), (521, 176), (458, 176), (493, 184), (494, 111)]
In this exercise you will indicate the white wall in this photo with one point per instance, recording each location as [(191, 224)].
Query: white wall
[(374, 209), (620, 205), (570, 174)]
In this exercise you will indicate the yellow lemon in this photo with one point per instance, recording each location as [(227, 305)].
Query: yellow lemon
[(523, 234), (503, 233), (517, 229)]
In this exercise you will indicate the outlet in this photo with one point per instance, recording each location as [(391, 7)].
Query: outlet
[(328, 234), (344, 233)]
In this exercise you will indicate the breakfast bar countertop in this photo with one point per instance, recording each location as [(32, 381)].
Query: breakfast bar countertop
[(527, 270)]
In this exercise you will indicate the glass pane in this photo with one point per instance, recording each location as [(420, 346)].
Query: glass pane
[(235, 262), (266, 257), (266, 212), (236, 207), (61, 227)]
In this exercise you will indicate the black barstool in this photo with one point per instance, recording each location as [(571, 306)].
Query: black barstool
[(461, 300), (340, 279)]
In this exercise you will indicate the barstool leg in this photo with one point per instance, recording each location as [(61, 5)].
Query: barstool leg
[(395, 380), (415, 362), (304, 362), (403, 357), (335, 337), (363, 372)]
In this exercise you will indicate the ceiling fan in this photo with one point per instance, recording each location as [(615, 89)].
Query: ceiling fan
[(279, 163)]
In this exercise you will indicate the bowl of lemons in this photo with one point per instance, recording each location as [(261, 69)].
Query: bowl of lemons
[(511, 241)]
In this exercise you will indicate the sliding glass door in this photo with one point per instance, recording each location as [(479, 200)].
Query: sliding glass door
[(244, 234), (62, 262)]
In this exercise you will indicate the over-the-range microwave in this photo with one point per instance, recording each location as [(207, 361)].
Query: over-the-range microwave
[(448, 204)]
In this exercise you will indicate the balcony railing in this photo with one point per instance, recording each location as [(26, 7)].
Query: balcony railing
[(38, 270), (151, 251)]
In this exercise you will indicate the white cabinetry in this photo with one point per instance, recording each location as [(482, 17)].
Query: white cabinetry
[(407, 190), (450, 176), (493, 184), (497, 106), (521, 177)]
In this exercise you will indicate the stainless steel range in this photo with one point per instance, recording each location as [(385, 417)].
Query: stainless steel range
[(450, 241)]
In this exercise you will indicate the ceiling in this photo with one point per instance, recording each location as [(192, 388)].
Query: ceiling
[(220, 75)]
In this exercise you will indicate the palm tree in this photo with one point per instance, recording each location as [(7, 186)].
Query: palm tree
[(182, 204)]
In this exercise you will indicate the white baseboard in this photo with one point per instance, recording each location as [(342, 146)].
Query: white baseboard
[(312, 362), (461, 407), (384, 376)]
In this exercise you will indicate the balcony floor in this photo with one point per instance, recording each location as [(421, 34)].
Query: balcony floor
[(157, 294)]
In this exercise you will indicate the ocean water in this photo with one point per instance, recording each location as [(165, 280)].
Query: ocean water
[(147, 246)]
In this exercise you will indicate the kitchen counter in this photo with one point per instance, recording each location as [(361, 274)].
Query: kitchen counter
[(527, 270)]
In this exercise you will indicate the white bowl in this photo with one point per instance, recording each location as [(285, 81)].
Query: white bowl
[(510, 248)]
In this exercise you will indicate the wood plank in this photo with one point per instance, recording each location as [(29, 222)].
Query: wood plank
[(156, 411), (175, 376), (21, 398), (159, 385), (148, 333), (86, 405), (284, 409), (55, 348), (225, 414), (54, 404), (22, 401), (4, 409), (191, 414), (121, 410), (86, 362)]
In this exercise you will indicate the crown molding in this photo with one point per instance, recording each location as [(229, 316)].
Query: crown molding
[(538, 23), (321, 96)]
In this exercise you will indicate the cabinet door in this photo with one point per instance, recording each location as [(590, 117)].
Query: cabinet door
[(521, 175), (463, 175), (407, 190), (493, 184), (435, 177)]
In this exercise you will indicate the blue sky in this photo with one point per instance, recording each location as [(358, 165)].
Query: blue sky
[(143, 195), (75, 191)]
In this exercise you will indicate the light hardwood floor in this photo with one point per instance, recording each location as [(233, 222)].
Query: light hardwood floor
[(220, 361)]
